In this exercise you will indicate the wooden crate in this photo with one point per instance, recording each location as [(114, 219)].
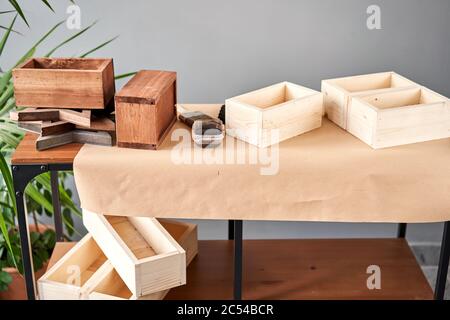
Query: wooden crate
[(145, 109), (338, 92), (273, 114), (144, 254), (105, 283), (74, 83), (110, 285), (60, 282), (398, 117)]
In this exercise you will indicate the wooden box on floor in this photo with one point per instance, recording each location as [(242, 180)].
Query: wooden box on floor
[(145, 109), (103, 282), (74, 83), (111, 286), (399, 117), (143, 253), (70, 277), (338, 92), (270, 115)]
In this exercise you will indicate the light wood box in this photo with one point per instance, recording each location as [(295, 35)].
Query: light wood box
[(339, 92), (75, 83), (143, 253), (398, 117), (99, 280), (81, 262), (145, 109), (110, 285), (284, 109)]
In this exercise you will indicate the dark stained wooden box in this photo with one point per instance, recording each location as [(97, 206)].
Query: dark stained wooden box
[(145, 109), (74, 83)]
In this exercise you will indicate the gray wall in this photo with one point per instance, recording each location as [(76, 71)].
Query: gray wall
[(223, 48)]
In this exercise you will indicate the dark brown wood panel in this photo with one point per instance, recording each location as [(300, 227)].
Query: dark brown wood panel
[(26, 152)]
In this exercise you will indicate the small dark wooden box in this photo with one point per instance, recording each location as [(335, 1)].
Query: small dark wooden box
[(145, 109)]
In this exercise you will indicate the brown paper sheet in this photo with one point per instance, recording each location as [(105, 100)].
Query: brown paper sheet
[(324, 175)]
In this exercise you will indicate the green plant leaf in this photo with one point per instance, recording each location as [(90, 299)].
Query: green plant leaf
[(19, 10), (34, 194), (7, 177), (5, 280), (48, 5), (124, 75), (70, 39), (98, 47), (6, 36)]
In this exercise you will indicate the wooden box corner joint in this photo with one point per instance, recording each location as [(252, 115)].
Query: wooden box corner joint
[(273, 114), (145, 109)]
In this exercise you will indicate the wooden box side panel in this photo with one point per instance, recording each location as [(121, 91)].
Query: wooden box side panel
[(335, 103), (112, 246), (243, 122), (58, 89), (185, 234), (291, 119), (161, 274), (135, 124), (412, 124), (362, 121), (109, 86), (166, 112), (56, 291)]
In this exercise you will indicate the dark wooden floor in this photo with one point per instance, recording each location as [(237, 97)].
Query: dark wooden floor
[(306, 269), (301, 269)]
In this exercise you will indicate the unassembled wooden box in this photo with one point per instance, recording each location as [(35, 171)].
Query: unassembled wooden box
[(143, 253), (398, 117), (338, 92), (273, 114), (145, 109), (74, 83), (99, 279)]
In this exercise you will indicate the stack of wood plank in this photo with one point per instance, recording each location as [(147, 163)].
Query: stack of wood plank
[(66, 100), (122, 258)]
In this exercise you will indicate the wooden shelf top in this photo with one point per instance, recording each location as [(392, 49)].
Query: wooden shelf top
[(302, 269), (26, 152)]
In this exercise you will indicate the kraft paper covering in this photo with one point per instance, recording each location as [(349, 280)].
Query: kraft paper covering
[(324, 175)]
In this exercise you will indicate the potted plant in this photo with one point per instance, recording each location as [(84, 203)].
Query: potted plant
[(38, 192)]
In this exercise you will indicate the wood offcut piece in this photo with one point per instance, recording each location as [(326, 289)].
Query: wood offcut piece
[(64, 83), (46, 128), (339, 92), (399, 117), (75, 136), (145, 109), (273, 114), (142, 252), (31, 114)]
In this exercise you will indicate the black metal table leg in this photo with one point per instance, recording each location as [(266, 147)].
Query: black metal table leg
[(401, 231), (230, 229), (441, 279), (56, 206), (22, 175), (237, 259)]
